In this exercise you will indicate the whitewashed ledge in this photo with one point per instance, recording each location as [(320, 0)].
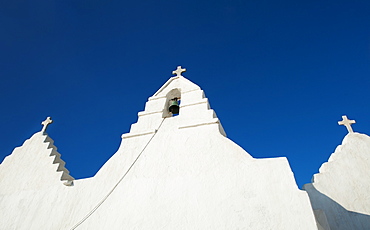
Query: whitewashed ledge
[(129, 135)]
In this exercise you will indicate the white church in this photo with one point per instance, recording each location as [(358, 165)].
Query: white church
[(209, 183)]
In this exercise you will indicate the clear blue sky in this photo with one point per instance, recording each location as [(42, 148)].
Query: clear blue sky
[(279, 74)]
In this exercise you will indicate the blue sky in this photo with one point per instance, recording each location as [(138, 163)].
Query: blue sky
[(279, 74)]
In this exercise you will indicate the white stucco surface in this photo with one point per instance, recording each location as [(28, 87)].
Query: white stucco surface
[(341, 189), (36, 165), (177, 172)]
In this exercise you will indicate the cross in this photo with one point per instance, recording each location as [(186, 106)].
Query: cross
[(347, 123), (45, 124), (178, 71)]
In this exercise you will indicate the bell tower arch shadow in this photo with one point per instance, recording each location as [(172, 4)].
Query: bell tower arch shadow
[(174, 93)]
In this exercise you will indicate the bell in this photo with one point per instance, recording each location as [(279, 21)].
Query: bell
[(174, 106)]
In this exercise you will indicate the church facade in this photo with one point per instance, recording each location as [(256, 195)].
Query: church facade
[(205, 181)]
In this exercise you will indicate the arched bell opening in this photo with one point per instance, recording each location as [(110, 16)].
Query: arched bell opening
[(172, 105)]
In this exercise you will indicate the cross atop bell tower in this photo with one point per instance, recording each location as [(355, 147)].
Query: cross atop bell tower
[(178, 71), (347, 123)]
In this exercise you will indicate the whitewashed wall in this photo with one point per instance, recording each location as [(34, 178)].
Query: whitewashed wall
[(340, 193), (189, 176)]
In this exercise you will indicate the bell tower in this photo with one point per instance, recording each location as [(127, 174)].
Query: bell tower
[(194, 109)]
